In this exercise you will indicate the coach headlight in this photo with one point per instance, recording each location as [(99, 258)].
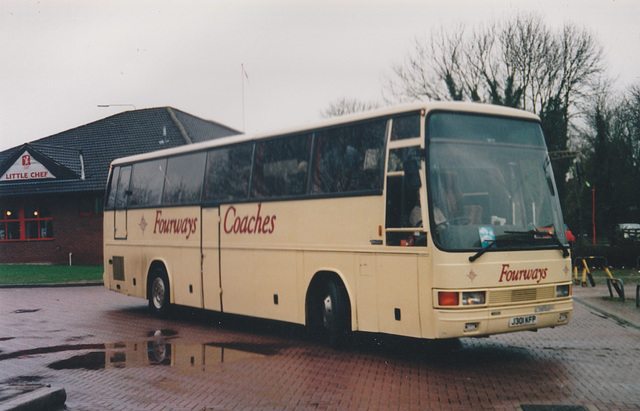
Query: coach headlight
[(563, 291), (473, 297)]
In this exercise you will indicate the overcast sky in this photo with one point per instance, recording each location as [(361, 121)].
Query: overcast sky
[(61, 59)]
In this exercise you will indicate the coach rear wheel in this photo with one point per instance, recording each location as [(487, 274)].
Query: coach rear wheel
[(159, 303), (333, 314)]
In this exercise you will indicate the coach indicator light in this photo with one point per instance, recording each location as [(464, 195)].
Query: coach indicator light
[(448, 298)]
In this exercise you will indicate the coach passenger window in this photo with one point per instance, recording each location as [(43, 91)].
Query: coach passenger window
[(227, 174), (350, 158), (184, 179), (281, 167), (146, 182)]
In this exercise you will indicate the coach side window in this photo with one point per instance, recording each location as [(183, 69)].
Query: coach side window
[(350, 158), (281, 167), (146, 182), (227, 174), (183, 182)]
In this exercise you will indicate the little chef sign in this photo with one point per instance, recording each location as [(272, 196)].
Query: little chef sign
[(26, 168)]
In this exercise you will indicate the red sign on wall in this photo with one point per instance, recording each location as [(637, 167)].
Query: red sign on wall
[(26, 168)]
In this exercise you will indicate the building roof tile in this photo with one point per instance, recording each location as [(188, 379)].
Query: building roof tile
[(88, 150)]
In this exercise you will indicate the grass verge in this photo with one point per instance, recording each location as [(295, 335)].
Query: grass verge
[(11, 274)]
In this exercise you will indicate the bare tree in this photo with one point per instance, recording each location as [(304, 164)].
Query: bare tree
[(529, 51), (631, 122), (518, 63), (434, 70), (345, 106)]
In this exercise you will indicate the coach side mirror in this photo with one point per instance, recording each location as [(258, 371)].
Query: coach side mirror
[(411, 175)]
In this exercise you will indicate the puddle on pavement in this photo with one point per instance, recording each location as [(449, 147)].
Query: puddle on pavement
[(92, 361), (23, 311), (185, 357), (162, 333), (23, 379), (49, 350), (159, 350)]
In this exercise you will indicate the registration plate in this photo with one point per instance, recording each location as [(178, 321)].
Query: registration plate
[(523, 320)]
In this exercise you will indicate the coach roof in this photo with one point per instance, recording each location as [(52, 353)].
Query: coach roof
[(350, 118)]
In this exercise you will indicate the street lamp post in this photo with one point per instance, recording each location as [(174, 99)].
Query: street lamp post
[(593, 213), (116, 105), (593, 209)]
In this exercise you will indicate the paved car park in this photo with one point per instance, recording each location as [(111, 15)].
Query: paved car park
[(107, 353)]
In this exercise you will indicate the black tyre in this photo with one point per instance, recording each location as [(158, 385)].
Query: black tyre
[(159, 300), (331, 316)]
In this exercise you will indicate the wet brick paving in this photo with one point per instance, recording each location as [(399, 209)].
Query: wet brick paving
[(107, 353)]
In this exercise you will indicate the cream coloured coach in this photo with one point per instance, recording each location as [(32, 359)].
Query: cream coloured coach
[(437, 220)]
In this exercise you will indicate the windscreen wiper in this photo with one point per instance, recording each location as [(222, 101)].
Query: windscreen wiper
[(535, 233), (530, 233), (482, 251)]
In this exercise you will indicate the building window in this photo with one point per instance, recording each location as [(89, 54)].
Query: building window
[(26, 222), (91, 206)]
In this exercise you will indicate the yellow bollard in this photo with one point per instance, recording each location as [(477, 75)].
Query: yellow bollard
[(585, 273), (608, 272), (585, 270)]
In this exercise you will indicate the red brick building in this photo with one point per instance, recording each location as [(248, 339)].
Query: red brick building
[(51, 190)]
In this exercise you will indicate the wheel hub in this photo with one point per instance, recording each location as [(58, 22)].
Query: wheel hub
[(157, 293), (327, 312)]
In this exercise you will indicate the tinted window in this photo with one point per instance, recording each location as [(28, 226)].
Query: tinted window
[(485, 129), (122, 192), (281, 167), (227, 174), (146, 182), (113, 185), (406, 126), (45, 211), (349, 158), (398, 156), (183, 183)]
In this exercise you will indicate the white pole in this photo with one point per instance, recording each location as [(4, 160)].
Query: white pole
[(242, 77)]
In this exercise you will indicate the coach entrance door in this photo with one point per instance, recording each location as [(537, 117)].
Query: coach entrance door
[(211, 258)]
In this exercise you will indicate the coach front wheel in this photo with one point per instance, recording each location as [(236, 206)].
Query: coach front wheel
[(159, 302)]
